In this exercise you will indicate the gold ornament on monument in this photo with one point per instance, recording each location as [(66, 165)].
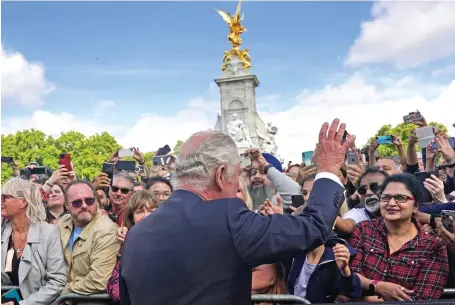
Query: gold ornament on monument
[(236, 29)]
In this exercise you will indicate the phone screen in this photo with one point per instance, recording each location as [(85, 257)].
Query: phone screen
[(126, 152), (307, 158), (385, 140)]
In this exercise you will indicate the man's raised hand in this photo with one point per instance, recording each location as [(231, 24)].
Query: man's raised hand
[(330, 153)]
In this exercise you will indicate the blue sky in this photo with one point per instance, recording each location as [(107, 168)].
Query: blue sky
[(152, 58)]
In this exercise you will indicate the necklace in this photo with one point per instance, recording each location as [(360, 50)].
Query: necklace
[(390, 242), (21, 246)]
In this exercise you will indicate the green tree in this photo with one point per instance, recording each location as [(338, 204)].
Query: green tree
[(403, 131), (176, 149)]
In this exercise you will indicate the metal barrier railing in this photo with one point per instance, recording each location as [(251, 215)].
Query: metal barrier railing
[(278, 298), (255, 298), (449, 292), (101, 297)]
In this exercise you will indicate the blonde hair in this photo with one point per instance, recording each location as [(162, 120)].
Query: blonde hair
[(138, 201), (18, 187), (244, 190)]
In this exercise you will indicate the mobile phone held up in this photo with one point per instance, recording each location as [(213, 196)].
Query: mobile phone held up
[(425, 135), (108, 169), (126, 152), (65, 160), (445, 214), (412, 117), (385, 140), (353, 158), (307, 158), (7, 159), (421, 176), (245, 160)]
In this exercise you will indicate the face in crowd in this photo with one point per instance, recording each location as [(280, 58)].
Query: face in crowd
[(121, 192), (81, 204), (260, 187), (370, 189), (104, 201), (56, 197), (389, 166), (307, 186), (293, 172), (161, 191), (397, 203)]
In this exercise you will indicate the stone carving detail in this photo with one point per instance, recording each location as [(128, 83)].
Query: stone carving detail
[(239, 132)]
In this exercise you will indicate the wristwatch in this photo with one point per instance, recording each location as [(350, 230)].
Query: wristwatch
[(372, 288)]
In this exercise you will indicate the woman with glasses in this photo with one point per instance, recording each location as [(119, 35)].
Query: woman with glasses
[(32, 255), (141, 204), (396, 259)]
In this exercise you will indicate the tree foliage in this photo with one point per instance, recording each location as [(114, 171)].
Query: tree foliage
[(403, 131), (176, 149), (87, 153)]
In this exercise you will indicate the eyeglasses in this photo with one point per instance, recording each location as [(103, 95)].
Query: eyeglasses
[(397, 198), (374, 187), (124, 191), (5, 197), (78, 203)]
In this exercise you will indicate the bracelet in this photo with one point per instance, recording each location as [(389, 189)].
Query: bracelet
[(48, 183)]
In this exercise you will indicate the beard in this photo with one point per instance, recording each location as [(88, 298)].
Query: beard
[(259, 194), (372, 204)]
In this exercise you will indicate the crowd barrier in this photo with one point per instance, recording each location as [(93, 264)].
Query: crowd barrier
[(257, 298)]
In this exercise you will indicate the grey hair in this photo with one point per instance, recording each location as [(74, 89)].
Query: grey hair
[(17, 187), (125, 176), (196, 164)]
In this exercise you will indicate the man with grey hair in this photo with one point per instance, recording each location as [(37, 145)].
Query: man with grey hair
[(200, 247)]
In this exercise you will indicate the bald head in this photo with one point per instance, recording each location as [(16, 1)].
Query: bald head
[(205, 158)]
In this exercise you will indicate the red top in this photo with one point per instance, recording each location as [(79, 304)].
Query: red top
[(420, 265)]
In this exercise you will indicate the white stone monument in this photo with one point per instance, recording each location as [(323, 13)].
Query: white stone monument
[(239, 117)]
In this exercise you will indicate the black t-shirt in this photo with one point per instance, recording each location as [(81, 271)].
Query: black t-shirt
[(14, 274)]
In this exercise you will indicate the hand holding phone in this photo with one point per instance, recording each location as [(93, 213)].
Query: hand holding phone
[(353, 158), (65, 160), (385, 140), (446, 222), (245, 160), (126, 152)]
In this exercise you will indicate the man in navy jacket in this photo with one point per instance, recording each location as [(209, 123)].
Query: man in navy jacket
[(201, 245)]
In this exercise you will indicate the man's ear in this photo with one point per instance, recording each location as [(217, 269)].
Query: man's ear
[(220, 177)]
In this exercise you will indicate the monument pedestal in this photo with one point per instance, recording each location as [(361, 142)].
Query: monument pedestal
[(239, 117)]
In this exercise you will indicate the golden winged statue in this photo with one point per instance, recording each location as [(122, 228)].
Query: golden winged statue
[(236, 29)]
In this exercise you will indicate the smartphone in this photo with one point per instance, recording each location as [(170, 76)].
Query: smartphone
[(434, 147), (345, 135), (425, 135), (333, 241), (421, 176), (445, 214), (125, 166), (126, 152), (11, 296), (161, 160), (412, 117), (385, 140), (245, 160), (7, 159), (353, 158), (163, 151), (39, 170), (108, 169), (65, 159), (307, 157), (297, 200), (451, 141)]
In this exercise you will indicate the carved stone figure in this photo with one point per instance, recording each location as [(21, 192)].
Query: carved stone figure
[(239, 132)]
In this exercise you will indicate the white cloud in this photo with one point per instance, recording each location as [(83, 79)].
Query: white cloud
[(55, 123), (406, 34), (22, 82), (364, 107)]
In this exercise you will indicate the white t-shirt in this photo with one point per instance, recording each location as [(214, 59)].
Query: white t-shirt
[(358, 215)]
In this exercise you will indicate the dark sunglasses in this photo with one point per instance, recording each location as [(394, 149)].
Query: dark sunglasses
[(374, 187), (78, 203), (397, 198), (124, 191)]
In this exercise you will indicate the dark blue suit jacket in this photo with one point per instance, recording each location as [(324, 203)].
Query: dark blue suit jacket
[(192, 251)]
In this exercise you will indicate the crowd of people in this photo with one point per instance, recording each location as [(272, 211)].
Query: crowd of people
[(203, 230)]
